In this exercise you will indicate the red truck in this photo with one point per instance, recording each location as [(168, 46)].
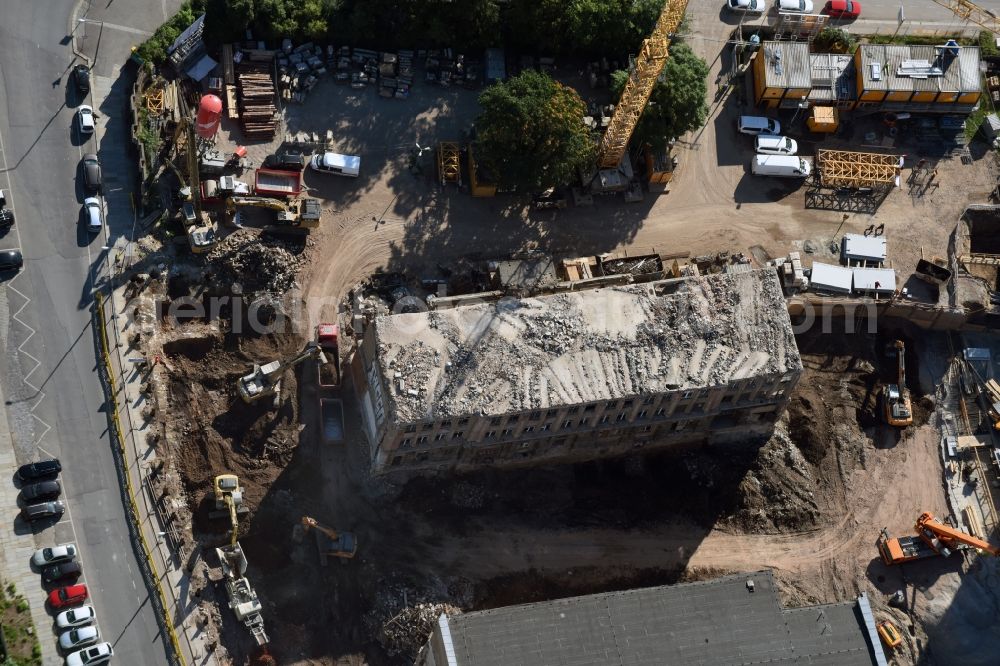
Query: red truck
[(331, 409), (277, 183)]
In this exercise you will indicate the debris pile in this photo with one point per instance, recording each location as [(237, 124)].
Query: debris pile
[(255, 265), (407, 631)]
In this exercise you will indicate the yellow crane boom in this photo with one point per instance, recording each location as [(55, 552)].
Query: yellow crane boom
[(970, 11), (648, 65)]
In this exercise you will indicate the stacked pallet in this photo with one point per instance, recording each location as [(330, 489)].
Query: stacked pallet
[(255, 92)]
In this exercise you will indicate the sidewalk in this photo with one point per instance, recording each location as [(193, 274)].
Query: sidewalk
[(141, 457), (17, 548)]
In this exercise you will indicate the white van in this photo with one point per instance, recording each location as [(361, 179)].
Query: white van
[(768, 144), (780, 165), (337, 164), (759, 125)]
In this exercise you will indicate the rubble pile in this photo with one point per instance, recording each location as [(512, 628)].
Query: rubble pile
[(407, 631), (255, 265)]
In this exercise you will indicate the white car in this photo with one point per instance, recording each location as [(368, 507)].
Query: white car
[(85, 116), (797, 6), (76, 617), (93, 207), (747, 6), (98, 654), (768, 144), (337, 164), (79, 637), (63, 552)]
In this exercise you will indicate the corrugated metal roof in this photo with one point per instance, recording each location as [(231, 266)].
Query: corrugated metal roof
[(865, 279), (827, 277), (711, 622), (858, 247), (881, 63), (787, 65)]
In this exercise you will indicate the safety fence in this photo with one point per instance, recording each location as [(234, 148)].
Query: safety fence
[(143, 552)]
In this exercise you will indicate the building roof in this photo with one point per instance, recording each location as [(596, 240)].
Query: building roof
[(858, 247), (827, 277), (865, 279), (832, 76), (596, 344), (787, 65), (883, 67), (713, 622)]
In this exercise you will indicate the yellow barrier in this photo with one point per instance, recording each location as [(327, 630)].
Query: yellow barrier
[(120, 439)]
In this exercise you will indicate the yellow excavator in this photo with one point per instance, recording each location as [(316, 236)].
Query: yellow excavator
[(896, 397), (302, 213), (243, 598), (330, 542), (265, 380)]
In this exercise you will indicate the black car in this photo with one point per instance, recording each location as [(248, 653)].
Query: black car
[(59, 572), (81, 74), (10, 260), (289, 159), (6, 218), (39, 470), (42, 511), (43, 490), (91, 172)]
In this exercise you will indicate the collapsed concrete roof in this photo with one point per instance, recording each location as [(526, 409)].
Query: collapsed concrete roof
[(549, 351)]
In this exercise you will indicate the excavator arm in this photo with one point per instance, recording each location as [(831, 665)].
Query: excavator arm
[(927, 523)]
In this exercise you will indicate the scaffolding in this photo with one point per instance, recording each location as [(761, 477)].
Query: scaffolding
[(969, 11), (842, 168), (449, 162), (154, 101), (846, 200), (799, 26)]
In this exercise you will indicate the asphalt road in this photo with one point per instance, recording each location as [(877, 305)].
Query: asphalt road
[(53, 394)]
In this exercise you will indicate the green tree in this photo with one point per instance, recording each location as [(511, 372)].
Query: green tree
[(531, 132), (835, 40), (678, 103)]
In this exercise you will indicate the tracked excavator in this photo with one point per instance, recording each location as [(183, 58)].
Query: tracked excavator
[(301, 213), (933, 538), (329, 542), (265, 380), (896, 397), (243, 599)]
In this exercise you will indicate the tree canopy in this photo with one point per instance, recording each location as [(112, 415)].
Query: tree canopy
[(678, 103), (531, 133)]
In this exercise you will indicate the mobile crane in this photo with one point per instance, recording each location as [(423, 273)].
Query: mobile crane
[(243, 598), (330, 542), (265, 380), (933, 538), (896, 397), (639, 86)]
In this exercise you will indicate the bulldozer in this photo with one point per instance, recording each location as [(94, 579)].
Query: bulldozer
[(896, 397), (933, 538), (243, 600), (265, 380), (329, 542)]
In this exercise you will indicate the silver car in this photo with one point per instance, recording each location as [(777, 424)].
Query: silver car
[(79, 637), (92, 205)]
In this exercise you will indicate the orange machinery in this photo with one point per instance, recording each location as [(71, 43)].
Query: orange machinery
[(933, 538)]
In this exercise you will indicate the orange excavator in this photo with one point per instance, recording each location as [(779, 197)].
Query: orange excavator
[(933, 538)]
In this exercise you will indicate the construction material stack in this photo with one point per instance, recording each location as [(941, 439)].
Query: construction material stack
[(255, 92)]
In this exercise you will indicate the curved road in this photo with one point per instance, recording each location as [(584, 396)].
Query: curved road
[(53, 396)]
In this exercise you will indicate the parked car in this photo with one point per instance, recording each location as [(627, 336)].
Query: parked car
[(769, 144), (63, 552), (85, 116), (11, 260), (91, 172), (98, 654), (59, 572), (39, 470), (42, 511), (747, 6), (76, 617), (337, 164), (758, 125), (797, 6), (842, 9), (78, 638), (71, 595), (289, 159), (43, 490), (81, 75), (92, 205), (6, 218)]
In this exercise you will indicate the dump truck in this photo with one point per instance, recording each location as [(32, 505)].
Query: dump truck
[(277, 183), (327, 337)]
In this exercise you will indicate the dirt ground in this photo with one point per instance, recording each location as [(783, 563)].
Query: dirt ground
[(808, 503)]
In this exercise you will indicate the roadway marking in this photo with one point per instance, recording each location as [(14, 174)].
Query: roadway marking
[(123, 28), (17, 315)]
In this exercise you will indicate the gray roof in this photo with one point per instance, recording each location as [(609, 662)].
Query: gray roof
[(713, 622), (787, 65), (515, 355), (959, 74)]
